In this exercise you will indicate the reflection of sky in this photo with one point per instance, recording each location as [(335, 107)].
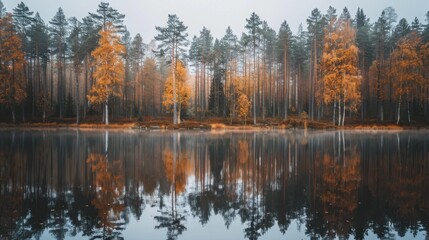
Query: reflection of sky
[(214, 229)]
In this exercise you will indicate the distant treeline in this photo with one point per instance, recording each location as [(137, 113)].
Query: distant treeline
[(336, 66)]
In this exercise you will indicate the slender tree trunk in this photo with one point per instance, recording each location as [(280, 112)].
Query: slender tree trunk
[(408, 109), (254, 84), (398, 117), (285, 80), (106, 107), (77, 96), (173, 66)]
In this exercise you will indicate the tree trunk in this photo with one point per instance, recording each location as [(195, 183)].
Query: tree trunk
[(173, 64), (106, 107), (399, 110), (254, 84)]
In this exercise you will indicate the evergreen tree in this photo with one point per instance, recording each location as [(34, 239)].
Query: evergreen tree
[(137, 49), (2, 10), (77, 54), (284, 46), (205, 49), (58, 31), (416, 26), (39, 50), (173, 39), (425, 33), (253, 27), (90, 38), (106, 14), (22, 19), (364, 44), (401, 30), (217, 94), (315, 26), (378, 69)]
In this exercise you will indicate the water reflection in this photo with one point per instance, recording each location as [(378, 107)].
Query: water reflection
[(95, 184)]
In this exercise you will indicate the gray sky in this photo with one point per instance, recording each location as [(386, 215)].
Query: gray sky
[(143, 15)]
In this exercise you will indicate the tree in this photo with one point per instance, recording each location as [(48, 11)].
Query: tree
[(406, 71), (2, 10), (183, 91), (315, 27), (253, 27), (151, 79), (39, 51), (136, 59), (106, 14), (425, 33), (378, 69), (243, 107), (77, 54), (205, 50), (58, 30), (109, 69), (364, 44), (217, 94), (284, 44), (173, 39), (12, 81), (89, 43), (341, 81)]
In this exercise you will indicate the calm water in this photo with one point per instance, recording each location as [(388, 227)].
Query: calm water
[(70, 184)]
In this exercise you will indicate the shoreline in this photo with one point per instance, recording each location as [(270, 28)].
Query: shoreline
[(191, 125)]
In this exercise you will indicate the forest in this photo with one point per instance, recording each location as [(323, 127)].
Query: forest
[(336, 66)]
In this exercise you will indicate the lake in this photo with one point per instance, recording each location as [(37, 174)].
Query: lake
[(288, 184)]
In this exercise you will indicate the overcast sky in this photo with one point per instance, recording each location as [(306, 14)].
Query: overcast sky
[(143, 15)]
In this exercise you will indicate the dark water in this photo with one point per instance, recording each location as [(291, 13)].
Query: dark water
[(69, 184)]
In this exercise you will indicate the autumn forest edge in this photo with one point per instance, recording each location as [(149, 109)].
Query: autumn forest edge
[(334, 68)]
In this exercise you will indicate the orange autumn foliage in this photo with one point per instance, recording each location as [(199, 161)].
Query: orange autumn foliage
[(183, 90), (12, 77), (109, 67)]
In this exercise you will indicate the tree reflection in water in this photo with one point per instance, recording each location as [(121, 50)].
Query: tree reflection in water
[(176, 170), (108, 186), (330, 184)]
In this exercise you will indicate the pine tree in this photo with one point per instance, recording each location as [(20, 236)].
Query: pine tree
[(59, 31), (284, 45), (316, 23), (2, 10), (253, 27), (378, 69), (217, 94), (109, 69), (39, 50), (363, 42), (416, 26), (77, 54), (137, 49), (12, 77), (173, 39), (205, 49), (153, 87), (425, 33), (106, 14)]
